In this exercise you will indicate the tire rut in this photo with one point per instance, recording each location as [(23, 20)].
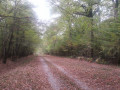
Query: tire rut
[(53, 82), (77, 82), (65, 82)]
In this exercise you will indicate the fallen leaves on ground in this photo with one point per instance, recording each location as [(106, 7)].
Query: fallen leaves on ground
[(97, 76), (23, 75)]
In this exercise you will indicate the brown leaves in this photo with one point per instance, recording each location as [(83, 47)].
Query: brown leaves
[(103, 77), (29, 76)]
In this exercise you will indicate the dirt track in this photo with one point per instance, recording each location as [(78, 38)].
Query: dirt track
[(57, 73)]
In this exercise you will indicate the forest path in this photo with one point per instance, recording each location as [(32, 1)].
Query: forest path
[(60, 79), (65, 80), (74, 74), (57, 73)]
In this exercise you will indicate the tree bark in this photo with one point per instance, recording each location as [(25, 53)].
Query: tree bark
[(90, 15), (116, 4)]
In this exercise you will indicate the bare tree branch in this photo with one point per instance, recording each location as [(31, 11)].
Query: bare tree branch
[(4, 16), (81, 13)]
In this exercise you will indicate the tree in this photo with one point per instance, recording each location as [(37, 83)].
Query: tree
[(115, 7), (86, 28), (18, 23)]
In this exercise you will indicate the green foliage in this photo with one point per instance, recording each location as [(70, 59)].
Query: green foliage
[(71, 34), (18, 33)]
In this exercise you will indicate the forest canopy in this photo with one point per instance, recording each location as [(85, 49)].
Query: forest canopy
[(19, 34), (89, 28)]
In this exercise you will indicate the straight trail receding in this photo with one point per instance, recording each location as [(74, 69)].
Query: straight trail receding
[(80, 84), (53, 81)]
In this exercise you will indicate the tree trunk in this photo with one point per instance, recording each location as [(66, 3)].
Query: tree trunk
[(92, 44), (4, 56), (90, 15), (116, 4)]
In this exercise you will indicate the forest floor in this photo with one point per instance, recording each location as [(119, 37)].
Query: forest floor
[(57, 73)]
